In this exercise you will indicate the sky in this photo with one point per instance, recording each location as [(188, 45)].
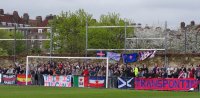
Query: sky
[(151, 12)]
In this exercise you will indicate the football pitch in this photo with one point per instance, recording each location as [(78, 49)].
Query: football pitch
[(54, 92)]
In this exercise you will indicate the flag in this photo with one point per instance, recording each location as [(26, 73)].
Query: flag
[(125, 82), (96, 81), (129, 58), (80, 81), (153, 54), (113, 56), (146, 54), (21, 79), (101, 54)]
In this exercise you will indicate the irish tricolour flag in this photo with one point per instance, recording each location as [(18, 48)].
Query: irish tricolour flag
[(80, 81)]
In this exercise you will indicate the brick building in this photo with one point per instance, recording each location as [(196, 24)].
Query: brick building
[(11, 20)]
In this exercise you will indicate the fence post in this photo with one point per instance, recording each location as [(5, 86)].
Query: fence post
[(199, 87)]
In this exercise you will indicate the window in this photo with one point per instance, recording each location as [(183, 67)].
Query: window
[(21, 25), (3, 23), (10, 24), (39, 30), (49, 30)]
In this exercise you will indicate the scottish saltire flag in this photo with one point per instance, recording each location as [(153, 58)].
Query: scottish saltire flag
[(113, 56), (95, 81), (129, 58), (146, 54), (125, 82), (101, 54)]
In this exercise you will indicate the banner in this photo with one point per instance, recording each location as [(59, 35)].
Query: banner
[(58, 81), (166, 84), (0, 78), (146, 54), (80, 81), (113, 56), (96, 81), (21, 79), (124, 83), (129, 58), (9, 79)]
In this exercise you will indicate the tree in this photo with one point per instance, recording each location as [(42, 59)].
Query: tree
[(70, 28), (69, 31), (109, 38), (8, 45)]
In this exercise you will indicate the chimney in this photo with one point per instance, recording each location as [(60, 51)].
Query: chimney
[(192, 23), (182, 25), (49, 17), (16, 16), (1, 11), (39, 19), (26, 18), (139, 25)]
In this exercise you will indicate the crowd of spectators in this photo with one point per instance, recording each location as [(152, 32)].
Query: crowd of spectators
[(155, 71), (99, 69)]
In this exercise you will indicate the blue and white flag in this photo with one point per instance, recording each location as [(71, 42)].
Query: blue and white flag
[(113, 56), (130, 58), (125, 82)]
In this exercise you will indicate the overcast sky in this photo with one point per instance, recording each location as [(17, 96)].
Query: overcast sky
[(152, 12)]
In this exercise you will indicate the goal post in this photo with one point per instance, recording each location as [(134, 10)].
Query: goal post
[(56, 57)]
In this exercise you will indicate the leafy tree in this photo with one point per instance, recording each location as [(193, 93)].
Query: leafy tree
[(70, 28), (8, 46)]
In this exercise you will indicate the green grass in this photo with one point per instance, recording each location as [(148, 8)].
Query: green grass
[(54, 92)]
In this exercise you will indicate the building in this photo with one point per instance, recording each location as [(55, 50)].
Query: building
[(11, 20)]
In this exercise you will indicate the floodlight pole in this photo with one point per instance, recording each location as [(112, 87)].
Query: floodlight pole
[(51, 42), (26, 34), (86, 39), (14, 51), (125, 27), (125, 47), (165, 47)]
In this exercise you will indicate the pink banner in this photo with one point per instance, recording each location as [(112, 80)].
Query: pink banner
[(165, 84)]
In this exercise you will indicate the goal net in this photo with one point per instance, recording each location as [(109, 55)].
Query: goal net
[(67, 66)]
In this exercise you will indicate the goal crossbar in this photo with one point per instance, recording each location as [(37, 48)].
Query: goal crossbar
[(122, 49), (110, 26), (56, 57), (146, 38)]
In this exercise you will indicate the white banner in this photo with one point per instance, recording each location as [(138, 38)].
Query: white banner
[(58, 81)]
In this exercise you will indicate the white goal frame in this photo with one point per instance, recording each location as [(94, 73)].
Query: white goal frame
[(56, 57)]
